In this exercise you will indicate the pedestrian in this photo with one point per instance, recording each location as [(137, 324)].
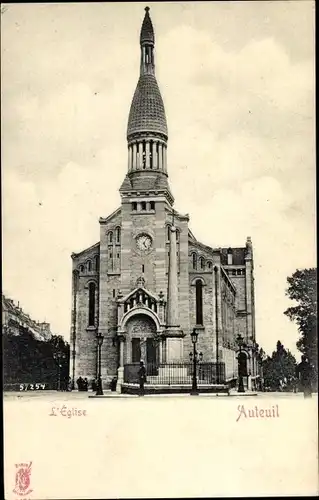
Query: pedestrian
[(142, 377), (80, 383), (304, 371), (70, 385), (93, 385), (85, 384)]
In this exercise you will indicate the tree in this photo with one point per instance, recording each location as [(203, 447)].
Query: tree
[(28, 360), (280, 366), (303, 289)]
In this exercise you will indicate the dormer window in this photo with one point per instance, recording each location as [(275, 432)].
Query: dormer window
[(229, 257)]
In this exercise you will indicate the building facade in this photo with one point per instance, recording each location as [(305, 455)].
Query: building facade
[(148, 281), (14, 320)]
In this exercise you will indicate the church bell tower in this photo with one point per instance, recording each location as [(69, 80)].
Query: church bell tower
[(147, 134)]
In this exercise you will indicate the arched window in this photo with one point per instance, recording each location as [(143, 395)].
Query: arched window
[(194, 257), (168, 237), (97, 263), (209, 264), (199, 302), (110, 237), (202, 263), (91, 303), (82, 269), (89, 265), (118, 235)]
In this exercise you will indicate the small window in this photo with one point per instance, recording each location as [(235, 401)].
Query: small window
[(143, 205), (113, 293), (89, 264), (118, 235), (117, 255), (81, 269), (97, 263), (111, 255), (143, 268), (134, 206), (209, 265), (202, 263), (168, 233), (194, 261), (152, 205), (110, 237)]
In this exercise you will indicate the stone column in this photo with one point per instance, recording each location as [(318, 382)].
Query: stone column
[(129, 162), (140, 154), (160, 156), (164, 158), (248, 285), (147, 153), (155, 162), (172, 295), (134, 155), (120, 370)]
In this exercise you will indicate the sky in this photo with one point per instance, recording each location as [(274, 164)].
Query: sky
[(237, 79)]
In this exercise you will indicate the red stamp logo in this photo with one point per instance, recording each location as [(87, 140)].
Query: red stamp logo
[(23, 479)]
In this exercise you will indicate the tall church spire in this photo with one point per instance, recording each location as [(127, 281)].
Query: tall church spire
[(147, 41), (147, 128)]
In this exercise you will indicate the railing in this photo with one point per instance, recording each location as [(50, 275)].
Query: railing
[(176, 373)]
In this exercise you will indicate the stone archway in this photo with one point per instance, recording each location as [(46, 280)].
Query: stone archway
[(141, 337)]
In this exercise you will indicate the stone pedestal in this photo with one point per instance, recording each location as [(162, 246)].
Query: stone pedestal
[(174, 350)]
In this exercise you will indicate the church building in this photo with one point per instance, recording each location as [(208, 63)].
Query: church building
[(148, 282)]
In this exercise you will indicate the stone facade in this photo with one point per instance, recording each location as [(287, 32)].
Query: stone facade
[(14, 320), (148, 278)]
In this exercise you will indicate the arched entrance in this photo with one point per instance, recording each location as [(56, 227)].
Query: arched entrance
[(141, 334)]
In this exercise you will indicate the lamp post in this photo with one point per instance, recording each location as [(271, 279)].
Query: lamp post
[(99, 391), (58, 356), (195, 357), (240, 342)]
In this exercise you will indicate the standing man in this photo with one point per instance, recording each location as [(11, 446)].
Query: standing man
[(142, 377), (304, 371)]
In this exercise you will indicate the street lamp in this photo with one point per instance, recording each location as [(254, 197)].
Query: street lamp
[(195, 357), (240, 342), (99, 391), (58, 356)]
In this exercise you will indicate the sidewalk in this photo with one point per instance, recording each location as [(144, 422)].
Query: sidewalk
[(232, 393)]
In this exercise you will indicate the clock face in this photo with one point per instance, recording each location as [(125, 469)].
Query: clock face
[(143, 242)]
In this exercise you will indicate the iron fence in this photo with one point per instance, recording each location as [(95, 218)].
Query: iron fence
[(176, 373)]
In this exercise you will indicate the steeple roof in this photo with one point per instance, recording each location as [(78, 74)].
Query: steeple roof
[(147, 113), (147, 31)]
